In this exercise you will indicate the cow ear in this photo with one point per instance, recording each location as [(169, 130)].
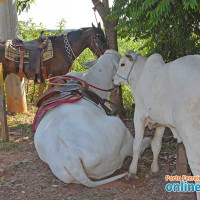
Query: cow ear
[(129, 57), (90, 63)]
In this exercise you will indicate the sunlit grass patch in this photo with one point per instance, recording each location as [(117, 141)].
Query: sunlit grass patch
[(7, 146)]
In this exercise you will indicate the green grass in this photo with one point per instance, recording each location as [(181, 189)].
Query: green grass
[(83, 197), (7, 146), (170, 146), (21, 125)]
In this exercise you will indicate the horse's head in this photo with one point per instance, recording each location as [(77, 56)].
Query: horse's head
[(34, 48), (98, 41)]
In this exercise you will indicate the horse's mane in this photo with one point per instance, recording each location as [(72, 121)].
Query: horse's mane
[(75, 33)]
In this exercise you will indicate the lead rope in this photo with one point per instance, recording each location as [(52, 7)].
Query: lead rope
[(95, 8)]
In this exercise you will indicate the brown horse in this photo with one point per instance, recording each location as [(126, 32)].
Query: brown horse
[(92, 38), (65, 50)]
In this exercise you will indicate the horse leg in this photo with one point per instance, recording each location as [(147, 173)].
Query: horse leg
[(41, 88)]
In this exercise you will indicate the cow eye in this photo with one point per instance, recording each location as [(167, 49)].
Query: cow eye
[(123, 64)]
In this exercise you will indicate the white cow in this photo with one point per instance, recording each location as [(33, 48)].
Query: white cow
[(79, 141), (166, 95)]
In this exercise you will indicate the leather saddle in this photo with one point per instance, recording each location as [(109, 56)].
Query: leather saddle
[(34, 49), (69, 89)]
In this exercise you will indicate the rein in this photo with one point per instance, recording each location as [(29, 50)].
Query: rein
[(126, 79), (97, 52), (78, 79)]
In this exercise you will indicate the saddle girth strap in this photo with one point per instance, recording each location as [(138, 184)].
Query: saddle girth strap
[(43, 68), (89, 94), (21, 73)]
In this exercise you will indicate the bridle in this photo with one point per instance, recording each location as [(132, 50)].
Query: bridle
[(98, 52), (82, 81), (126, 79), (71, 54)]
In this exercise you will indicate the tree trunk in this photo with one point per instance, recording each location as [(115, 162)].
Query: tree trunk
[(15, 90), (111, 36)]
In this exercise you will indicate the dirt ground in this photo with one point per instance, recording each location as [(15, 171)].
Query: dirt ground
[(24, 176)]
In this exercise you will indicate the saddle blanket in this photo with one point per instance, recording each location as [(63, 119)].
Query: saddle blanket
[(14, 55)]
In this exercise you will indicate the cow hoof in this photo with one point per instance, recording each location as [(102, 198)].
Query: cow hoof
[(129, 177), (154, 168)]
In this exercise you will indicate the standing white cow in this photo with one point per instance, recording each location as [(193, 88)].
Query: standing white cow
[(167, 95), (79, 141)]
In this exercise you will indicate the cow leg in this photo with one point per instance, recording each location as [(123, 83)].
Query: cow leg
[(194, 163), (156, 147), (137, 145)]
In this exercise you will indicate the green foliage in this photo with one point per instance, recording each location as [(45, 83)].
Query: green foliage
[(78, 64), (30, 30), (61, 26), (23, 5), (7, 146), (168, 27)]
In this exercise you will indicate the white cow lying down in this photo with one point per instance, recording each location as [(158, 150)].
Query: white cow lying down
[(167, 95), (79, 141)]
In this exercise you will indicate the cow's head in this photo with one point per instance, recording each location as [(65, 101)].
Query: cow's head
[(127, 68), (34, 48)]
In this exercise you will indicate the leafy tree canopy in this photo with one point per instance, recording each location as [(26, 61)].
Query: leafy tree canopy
[(171, 28), (23, 5)]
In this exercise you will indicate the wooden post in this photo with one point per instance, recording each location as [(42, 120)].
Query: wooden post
[(15, 90), (3, 116), (15, 94), (181, 160)]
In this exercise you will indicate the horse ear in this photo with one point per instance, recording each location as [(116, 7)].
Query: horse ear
[(93, 26), (99, 25)]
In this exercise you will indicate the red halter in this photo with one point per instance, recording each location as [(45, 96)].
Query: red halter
[(97, 53)]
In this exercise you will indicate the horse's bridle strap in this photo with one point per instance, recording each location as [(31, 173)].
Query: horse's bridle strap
[(98, 52)]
